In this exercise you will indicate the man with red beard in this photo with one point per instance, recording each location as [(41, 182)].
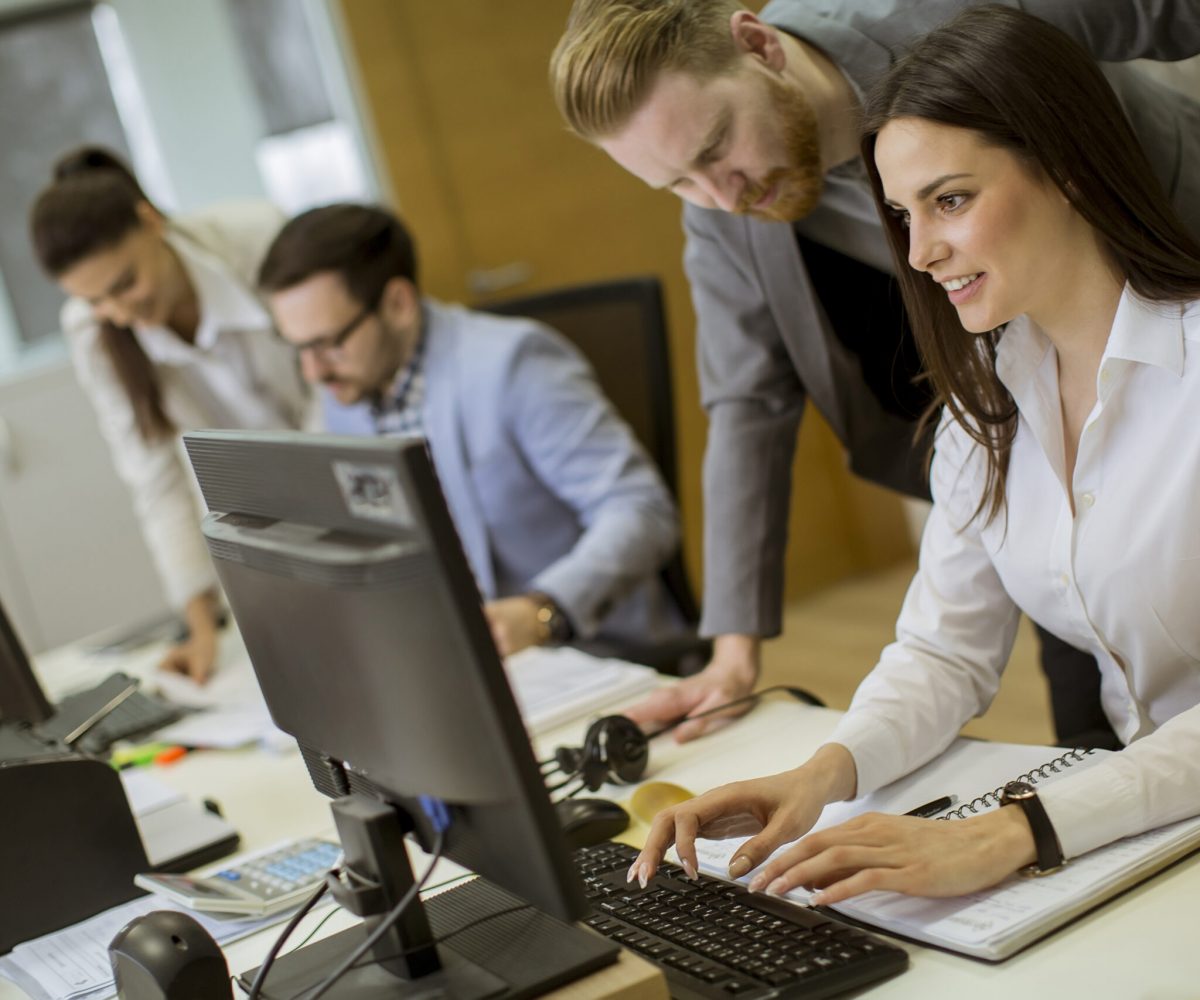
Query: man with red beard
[(752, 120)]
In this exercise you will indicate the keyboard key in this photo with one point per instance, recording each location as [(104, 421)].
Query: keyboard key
[(713, 939)]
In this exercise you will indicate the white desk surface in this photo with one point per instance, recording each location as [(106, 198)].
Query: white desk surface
[(1140, 946)]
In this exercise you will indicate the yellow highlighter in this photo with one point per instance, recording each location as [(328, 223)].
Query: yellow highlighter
[(136, 756)]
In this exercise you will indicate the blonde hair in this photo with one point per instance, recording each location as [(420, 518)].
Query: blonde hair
[(613, 51)]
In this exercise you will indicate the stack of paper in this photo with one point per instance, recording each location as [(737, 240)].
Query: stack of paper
[(553, 686), (229, 710), (73, 964)]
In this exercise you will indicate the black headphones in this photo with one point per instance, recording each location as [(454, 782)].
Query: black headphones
[(616, 751)]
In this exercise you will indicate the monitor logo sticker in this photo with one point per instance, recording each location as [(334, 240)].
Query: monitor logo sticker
[(372, 492)]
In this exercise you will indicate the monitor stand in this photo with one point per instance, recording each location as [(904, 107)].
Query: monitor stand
[(472, 942)]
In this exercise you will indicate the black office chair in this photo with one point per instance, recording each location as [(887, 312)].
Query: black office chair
[(620, 327)]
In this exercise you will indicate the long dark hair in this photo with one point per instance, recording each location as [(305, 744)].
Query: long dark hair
[(91, 205), (1022, 85)]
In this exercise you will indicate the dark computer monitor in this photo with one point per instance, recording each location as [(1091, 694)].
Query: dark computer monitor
[(31, 725), (21, 697), (365, 628)]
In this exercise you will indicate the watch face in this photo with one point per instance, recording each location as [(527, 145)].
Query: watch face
[(1019, 790)]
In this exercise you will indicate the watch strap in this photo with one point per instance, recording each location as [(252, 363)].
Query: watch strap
[(1049, 851)]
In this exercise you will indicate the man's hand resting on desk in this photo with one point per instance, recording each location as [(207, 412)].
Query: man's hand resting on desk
[(918, 857), (514, 623), (196, 656), (730, 675)]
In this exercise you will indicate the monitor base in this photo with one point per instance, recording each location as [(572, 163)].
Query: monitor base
[(495, 945)]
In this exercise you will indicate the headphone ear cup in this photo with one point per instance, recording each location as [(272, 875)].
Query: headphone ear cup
[(593, 773), (591, 764), (628, 750), (568, 759), (614, 750)]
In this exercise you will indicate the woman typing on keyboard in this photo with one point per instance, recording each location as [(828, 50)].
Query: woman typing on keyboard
[(1054, 295)]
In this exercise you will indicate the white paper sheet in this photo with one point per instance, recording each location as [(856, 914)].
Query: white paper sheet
[(73, 963), (553, 686)]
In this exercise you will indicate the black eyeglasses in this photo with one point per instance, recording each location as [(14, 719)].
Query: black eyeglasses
[(333, 342)]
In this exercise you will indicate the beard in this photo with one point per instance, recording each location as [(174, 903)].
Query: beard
[(802, 181)]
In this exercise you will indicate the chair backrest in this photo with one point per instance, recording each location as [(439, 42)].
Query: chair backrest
[(620, 327)]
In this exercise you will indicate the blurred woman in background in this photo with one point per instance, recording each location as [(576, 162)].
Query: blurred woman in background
[(166, 334)]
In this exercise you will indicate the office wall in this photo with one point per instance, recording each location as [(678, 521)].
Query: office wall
[(494, 188), (72, 559), (199, 97)]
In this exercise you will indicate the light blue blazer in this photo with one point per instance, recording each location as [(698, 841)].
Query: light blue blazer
[(548, 487)]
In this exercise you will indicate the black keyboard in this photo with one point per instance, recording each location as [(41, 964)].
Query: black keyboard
[(715, 939)]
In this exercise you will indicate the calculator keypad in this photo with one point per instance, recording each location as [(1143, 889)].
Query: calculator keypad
[(293, 867)]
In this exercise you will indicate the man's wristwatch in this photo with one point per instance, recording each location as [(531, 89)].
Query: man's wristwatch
[(1045, 840), (554, 628)]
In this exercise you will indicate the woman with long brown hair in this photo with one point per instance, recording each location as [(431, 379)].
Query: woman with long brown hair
[(1056, 301), (166, 334)]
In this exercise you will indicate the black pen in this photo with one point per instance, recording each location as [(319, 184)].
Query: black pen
[(932, 808)]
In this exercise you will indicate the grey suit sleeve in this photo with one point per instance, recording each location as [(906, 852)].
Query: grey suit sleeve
[(585, 454), (1118, 30), (754, 402), (1112, 30)]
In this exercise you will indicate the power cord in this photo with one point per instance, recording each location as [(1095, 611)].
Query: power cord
[(615, 749), (300, 914), (449, 934), (384, 926), (313, 933), (273, 954), (799, 693)]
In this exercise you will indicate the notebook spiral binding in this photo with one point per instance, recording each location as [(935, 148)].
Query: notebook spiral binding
[(989, 799)]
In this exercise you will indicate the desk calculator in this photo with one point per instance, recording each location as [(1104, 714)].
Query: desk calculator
[(258, 885)]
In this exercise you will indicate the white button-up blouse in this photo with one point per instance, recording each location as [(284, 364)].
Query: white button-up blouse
[(236, 374), (1118, 577)]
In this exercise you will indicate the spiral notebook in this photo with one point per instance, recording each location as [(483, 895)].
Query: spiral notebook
[(997, 922)]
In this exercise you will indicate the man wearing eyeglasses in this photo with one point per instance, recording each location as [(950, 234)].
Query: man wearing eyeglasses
[(562, 515)]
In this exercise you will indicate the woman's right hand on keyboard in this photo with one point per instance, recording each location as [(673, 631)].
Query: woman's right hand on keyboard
[(775, 810)]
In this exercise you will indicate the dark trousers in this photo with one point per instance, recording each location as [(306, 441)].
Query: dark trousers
[(1074, 681)]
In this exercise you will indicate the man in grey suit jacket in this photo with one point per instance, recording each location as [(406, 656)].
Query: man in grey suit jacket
[(563, 518), (752, 121)]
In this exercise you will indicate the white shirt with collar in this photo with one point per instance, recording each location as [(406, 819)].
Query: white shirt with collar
[(236, 374), (1119, 578)]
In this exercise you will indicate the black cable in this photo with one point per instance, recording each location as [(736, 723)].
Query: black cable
[(260, 978), (361, 964), (449, 881), (798, 693), (479, 920), (562, 784), (320, 923), (384, 926), (437, 885), (795, 692)]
